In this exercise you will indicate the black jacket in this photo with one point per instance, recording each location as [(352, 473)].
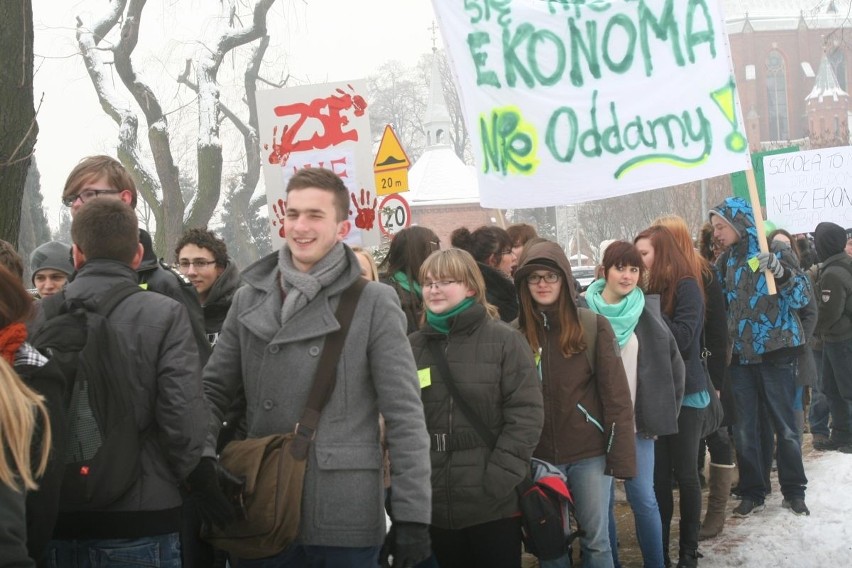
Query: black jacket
[(219, 301), (494, 370), (158, 277), (500, 291)]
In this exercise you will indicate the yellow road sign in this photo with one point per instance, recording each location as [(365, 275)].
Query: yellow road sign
[(390, 156), (391, 181)]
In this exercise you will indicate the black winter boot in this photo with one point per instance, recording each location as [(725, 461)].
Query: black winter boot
[(688, 559)]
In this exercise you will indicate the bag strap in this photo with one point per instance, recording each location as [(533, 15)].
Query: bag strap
[(441, 359), (589, 323), (115, 296), (326, 373)]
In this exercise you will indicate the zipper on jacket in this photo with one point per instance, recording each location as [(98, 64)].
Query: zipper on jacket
[(593, 420), (611, 438), (449, 453)]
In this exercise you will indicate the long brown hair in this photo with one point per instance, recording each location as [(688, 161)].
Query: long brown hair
[(571, 337), (700, 266), (670, 266)]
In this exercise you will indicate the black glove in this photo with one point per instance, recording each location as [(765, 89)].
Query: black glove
[(212, 503), (408, 544), (768, 261)]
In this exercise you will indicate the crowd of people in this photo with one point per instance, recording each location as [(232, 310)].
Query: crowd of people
[(461, 364)]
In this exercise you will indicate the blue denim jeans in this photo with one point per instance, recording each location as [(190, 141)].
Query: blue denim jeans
[(837, 386), (301, 556), (162, 551), (774, 383), (819, 411), (591, 489), (643, 502)]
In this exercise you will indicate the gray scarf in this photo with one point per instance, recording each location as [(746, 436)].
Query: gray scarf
[(302, 287)]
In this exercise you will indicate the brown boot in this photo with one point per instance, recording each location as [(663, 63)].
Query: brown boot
[(721, 477)]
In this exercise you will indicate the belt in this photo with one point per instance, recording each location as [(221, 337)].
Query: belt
[(444, 442)]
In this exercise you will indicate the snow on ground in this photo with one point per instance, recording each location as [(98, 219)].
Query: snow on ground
[(778, 538)]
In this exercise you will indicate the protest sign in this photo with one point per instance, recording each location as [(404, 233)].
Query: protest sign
[(319, 126), (805, 188), (739, 184), (573, 101)]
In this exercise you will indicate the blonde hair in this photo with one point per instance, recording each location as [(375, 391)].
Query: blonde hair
[(459, 265), (22, 410), (374, 270)]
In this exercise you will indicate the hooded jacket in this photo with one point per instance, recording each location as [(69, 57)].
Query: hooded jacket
[(834, 290), (493, 369), (759, 324), (586, 414), (500, 292)]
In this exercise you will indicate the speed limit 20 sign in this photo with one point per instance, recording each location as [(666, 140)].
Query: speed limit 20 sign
[(394, 214)]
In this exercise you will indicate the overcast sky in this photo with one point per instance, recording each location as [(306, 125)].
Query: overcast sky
[(324, 40)]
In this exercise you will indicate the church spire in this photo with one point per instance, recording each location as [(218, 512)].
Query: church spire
[(438, 124)]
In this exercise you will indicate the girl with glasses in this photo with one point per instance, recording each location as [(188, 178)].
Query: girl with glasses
[(655, 373), (474, 502), (588, 416)]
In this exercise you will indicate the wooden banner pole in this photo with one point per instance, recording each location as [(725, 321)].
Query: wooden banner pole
[(758, 223)]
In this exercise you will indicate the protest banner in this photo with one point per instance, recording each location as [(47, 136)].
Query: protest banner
[(806, 188), (324, 126), (739, 184), (574, 101)]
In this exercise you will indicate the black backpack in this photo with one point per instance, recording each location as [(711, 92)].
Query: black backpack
[(103, 448)]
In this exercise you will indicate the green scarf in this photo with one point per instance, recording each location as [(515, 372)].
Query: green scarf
[(441, 322), (403, 281), (623, 316)]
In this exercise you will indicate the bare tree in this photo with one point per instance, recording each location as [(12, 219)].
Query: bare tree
[(157, 176), (17, 113), (399, 99)]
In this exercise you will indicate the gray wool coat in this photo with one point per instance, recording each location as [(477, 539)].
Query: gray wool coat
[(343, 497)]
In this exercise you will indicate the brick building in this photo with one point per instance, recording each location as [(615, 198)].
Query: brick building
[(792, 63)]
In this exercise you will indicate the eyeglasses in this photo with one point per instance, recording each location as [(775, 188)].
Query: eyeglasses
[(86, 195), (504, 252), (199, 263), (440, 285), (550, 278)]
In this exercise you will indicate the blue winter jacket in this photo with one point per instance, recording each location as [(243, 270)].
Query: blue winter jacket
[(758, 323)]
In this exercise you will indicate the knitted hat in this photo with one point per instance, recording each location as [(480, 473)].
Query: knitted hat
[(53, 255), (829, 239)]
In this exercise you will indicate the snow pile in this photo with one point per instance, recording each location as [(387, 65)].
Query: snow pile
[(776, 537)]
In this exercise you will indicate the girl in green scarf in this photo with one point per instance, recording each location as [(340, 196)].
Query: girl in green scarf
[(617, 297), (474, 502)]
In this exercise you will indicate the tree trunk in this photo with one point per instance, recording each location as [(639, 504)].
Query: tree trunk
[(18, 128)]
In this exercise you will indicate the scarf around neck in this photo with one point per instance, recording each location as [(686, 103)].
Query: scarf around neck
[(302, 287), (408, 285), (11, 338), (442, 322), (623, 316)]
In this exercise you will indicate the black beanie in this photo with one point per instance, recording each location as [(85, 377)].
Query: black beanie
[(829, 239)]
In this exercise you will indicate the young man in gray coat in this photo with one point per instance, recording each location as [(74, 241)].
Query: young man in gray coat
[(269, 347)]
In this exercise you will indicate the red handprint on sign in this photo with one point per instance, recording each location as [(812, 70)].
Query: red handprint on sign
[(366, 211), (280, 209)]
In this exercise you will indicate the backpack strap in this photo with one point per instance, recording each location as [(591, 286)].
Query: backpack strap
[(589, 323), (326, 373), (115, 296)]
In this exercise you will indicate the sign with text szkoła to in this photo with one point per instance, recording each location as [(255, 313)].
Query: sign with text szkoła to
[(323, 126), (573, 101), (804, 189)]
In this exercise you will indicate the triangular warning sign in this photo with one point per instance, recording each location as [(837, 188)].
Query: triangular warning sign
[(390, 156)]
